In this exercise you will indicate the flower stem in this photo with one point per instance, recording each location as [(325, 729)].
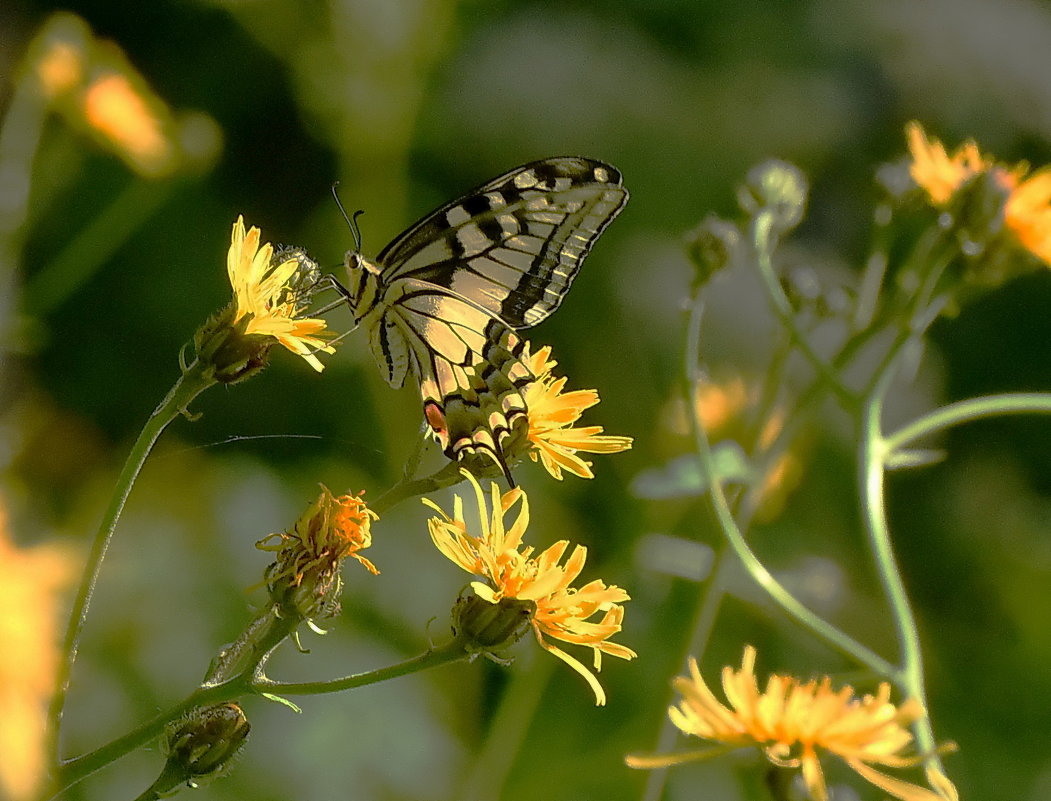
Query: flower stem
[(410, 487), (74, 770), (735, 538), (967, 411), (452, 651), (194, 380), (871, 468)]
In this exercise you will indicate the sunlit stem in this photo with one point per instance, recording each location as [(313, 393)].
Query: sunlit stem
[(872, 455), (967, 411), (194, 380), (452, 651), (412, 487), (248, 682)]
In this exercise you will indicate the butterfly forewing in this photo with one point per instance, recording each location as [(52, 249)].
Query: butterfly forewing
[(515, 244)]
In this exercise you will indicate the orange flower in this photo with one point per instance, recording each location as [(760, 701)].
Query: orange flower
[(510, 572), (330, 530), (1027, 204), (792, 720), (552, 413)]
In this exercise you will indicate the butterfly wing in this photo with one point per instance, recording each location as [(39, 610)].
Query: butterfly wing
[(457, 282), (514, 245)]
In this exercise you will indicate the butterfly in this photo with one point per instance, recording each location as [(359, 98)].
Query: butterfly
[(444, 300)]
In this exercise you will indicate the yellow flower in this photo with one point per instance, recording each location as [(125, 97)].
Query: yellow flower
[(552, 413), (32, 585), (271, 297), (792, 720), (127, 116), (1027, 207), (510, 571)]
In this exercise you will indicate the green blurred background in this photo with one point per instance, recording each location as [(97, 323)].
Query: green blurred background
[(408, 104)]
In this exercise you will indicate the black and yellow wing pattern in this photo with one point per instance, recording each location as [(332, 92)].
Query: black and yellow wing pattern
[(444, 299)]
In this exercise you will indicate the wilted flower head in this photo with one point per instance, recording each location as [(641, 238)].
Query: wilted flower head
[(793, 721), (306, 574), (271, 295), (553, 439), (509, 571), (1022, 204)]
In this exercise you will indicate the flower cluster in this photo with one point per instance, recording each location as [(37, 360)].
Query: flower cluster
[(792, 720), (510, 571), (1024, 199)]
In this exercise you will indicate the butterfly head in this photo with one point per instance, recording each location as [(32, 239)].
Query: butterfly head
[(363, 283)]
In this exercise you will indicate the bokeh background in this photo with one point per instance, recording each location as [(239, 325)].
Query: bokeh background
[(106, 271)]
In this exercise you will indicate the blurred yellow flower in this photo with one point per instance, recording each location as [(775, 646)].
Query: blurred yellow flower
[(511, 572), (123, 114), (1027, 204), (791, 721), (60, 68), (33, 583), (552, 413), (271, 297)]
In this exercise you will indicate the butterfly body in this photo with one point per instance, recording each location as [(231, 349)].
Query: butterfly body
[(444, 300)]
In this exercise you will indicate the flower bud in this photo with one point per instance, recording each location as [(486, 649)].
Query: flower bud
[(711, 247), (201, 745), (488, 626), (777, 188)]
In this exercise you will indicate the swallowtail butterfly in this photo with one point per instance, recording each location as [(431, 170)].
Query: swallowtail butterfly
[(444, 299)]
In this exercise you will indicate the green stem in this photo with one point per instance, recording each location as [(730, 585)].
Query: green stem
[(763, 577), (246, 683), (74, 770), (452, 651), (412, 487), (193, 381), (762, 240), (967, 411), (872, 455)]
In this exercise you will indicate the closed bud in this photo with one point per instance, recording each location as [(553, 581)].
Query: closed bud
[(711, 247), (778, 189), (488, 626), (201, 745)]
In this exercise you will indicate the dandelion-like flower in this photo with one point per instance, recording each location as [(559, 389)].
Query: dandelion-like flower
[(510, 571), (792, 721), (553, 439), (1026, 204), (270, 296), (305, 574)]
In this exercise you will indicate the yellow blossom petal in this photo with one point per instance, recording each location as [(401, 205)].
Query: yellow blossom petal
[(263, 296), (510, 571), (793, 721), (553, 439)]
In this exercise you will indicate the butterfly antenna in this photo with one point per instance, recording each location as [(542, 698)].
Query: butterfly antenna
[(352, 222)]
